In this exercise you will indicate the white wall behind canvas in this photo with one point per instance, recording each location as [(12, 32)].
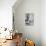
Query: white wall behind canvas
[(38, 30), (43, 22), (29, 6)]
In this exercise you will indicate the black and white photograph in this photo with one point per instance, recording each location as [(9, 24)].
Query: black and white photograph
[(29, 19)]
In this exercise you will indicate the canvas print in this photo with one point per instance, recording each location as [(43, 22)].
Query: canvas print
[(29, 19)]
